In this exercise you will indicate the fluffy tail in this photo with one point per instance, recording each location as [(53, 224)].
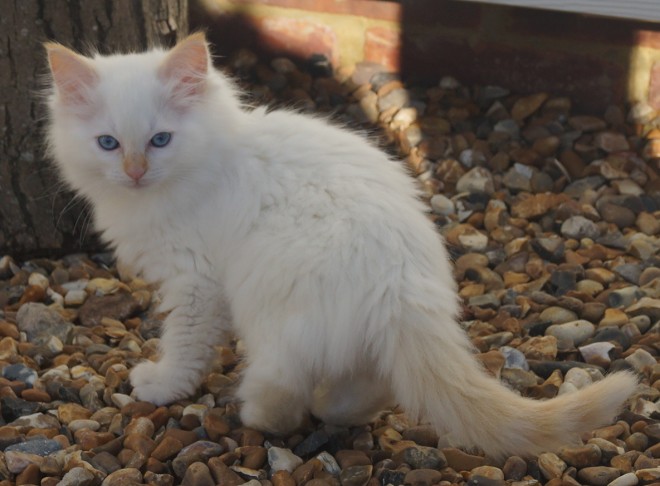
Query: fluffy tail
[(435, 377)]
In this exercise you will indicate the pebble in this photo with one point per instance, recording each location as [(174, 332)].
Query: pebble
[(420, 457), (574, 332), (581, 456), (551, 466), (641, 360), (355, 475), (198, 474), (578, 227), (39, 323), (79, 476), (462, 461), (628, 479), (597, 353), (441, 204), (598, 475), (283, 459)]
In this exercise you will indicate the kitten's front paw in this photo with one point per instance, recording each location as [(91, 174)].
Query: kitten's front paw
[(160, 384)]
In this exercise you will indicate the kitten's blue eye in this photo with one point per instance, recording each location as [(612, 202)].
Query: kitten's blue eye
[(108, 142), (161, 139)]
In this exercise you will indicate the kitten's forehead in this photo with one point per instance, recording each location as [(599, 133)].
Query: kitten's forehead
[(131, 91)]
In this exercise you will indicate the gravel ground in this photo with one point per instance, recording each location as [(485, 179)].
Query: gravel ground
[(552, 218)]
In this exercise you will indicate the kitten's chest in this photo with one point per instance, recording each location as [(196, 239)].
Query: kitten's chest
[(159, 252)]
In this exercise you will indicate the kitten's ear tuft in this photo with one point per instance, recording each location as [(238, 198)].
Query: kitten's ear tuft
[(187, 65), (73, 74)]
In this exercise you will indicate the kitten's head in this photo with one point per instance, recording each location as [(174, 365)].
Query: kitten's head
[(133, 121)]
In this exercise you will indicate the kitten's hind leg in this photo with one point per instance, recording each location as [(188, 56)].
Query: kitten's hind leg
[(351, 400), (275, 394)]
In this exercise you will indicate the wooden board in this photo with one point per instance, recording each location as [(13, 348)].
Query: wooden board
[(647, 10)]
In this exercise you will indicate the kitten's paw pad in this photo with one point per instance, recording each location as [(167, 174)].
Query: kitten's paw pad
[(158, 384)]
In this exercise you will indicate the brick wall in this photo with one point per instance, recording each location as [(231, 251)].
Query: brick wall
[(596, 61)]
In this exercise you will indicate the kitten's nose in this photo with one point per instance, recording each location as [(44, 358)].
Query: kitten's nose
[(135, 166)]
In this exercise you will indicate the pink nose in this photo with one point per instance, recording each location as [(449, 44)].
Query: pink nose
[(135, 166), (135, 173)]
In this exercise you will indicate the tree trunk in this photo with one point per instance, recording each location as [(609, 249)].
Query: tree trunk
[(37, 215)]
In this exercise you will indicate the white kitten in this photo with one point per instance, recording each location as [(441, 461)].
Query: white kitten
[(300, 237)]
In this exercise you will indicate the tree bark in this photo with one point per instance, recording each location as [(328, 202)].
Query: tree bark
[(37, 215)]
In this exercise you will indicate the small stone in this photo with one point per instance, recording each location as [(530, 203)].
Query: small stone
[(486, 475), (574, 332), (198, 474), (347, 458), (312, 443), (579, 227), (200, 450), (17, 461), (121, 399), (441, 204), (646, 306), (397, 98), (167, 448), (514, 358), (283, 459), (39, 323), (225, 476), (557, 315), (119, 306), (539, 347), (641, 360), (69, 412), (527, 105), (38, 447), (514, 469), (305, 472), (581, 456), (637, 442), (628, 479), (20, 372), (78, 476), (648, 223), (551, 465), (36, 421), (355, 475), (462, 461), (598, 475), (123, 477), (587, 123), (619, 215), (422, 477), (650, 475), (106, 462), (550, 248), (329, 463), (597, 353), (75, 298), (421, 457), (611, 142), (476, 180)]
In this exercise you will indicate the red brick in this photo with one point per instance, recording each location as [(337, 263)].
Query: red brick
[(373, 9), (648, 38), (298, 37), (383, 45), (654, 86)]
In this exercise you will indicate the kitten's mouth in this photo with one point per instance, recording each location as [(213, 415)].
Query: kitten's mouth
[(137, 184)]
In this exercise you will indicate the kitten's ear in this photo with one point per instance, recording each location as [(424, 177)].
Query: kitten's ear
[(73, 74), (187, 65)]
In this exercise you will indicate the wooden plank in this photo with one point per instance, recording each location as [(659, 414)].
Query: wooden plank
[(646, 10)]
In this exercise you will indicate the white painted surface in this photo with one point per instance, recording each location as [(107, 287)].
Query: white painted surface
[(648, 10)]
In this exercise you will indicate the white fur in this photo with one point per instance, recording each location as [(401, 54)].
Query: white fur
[(307, 242)]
